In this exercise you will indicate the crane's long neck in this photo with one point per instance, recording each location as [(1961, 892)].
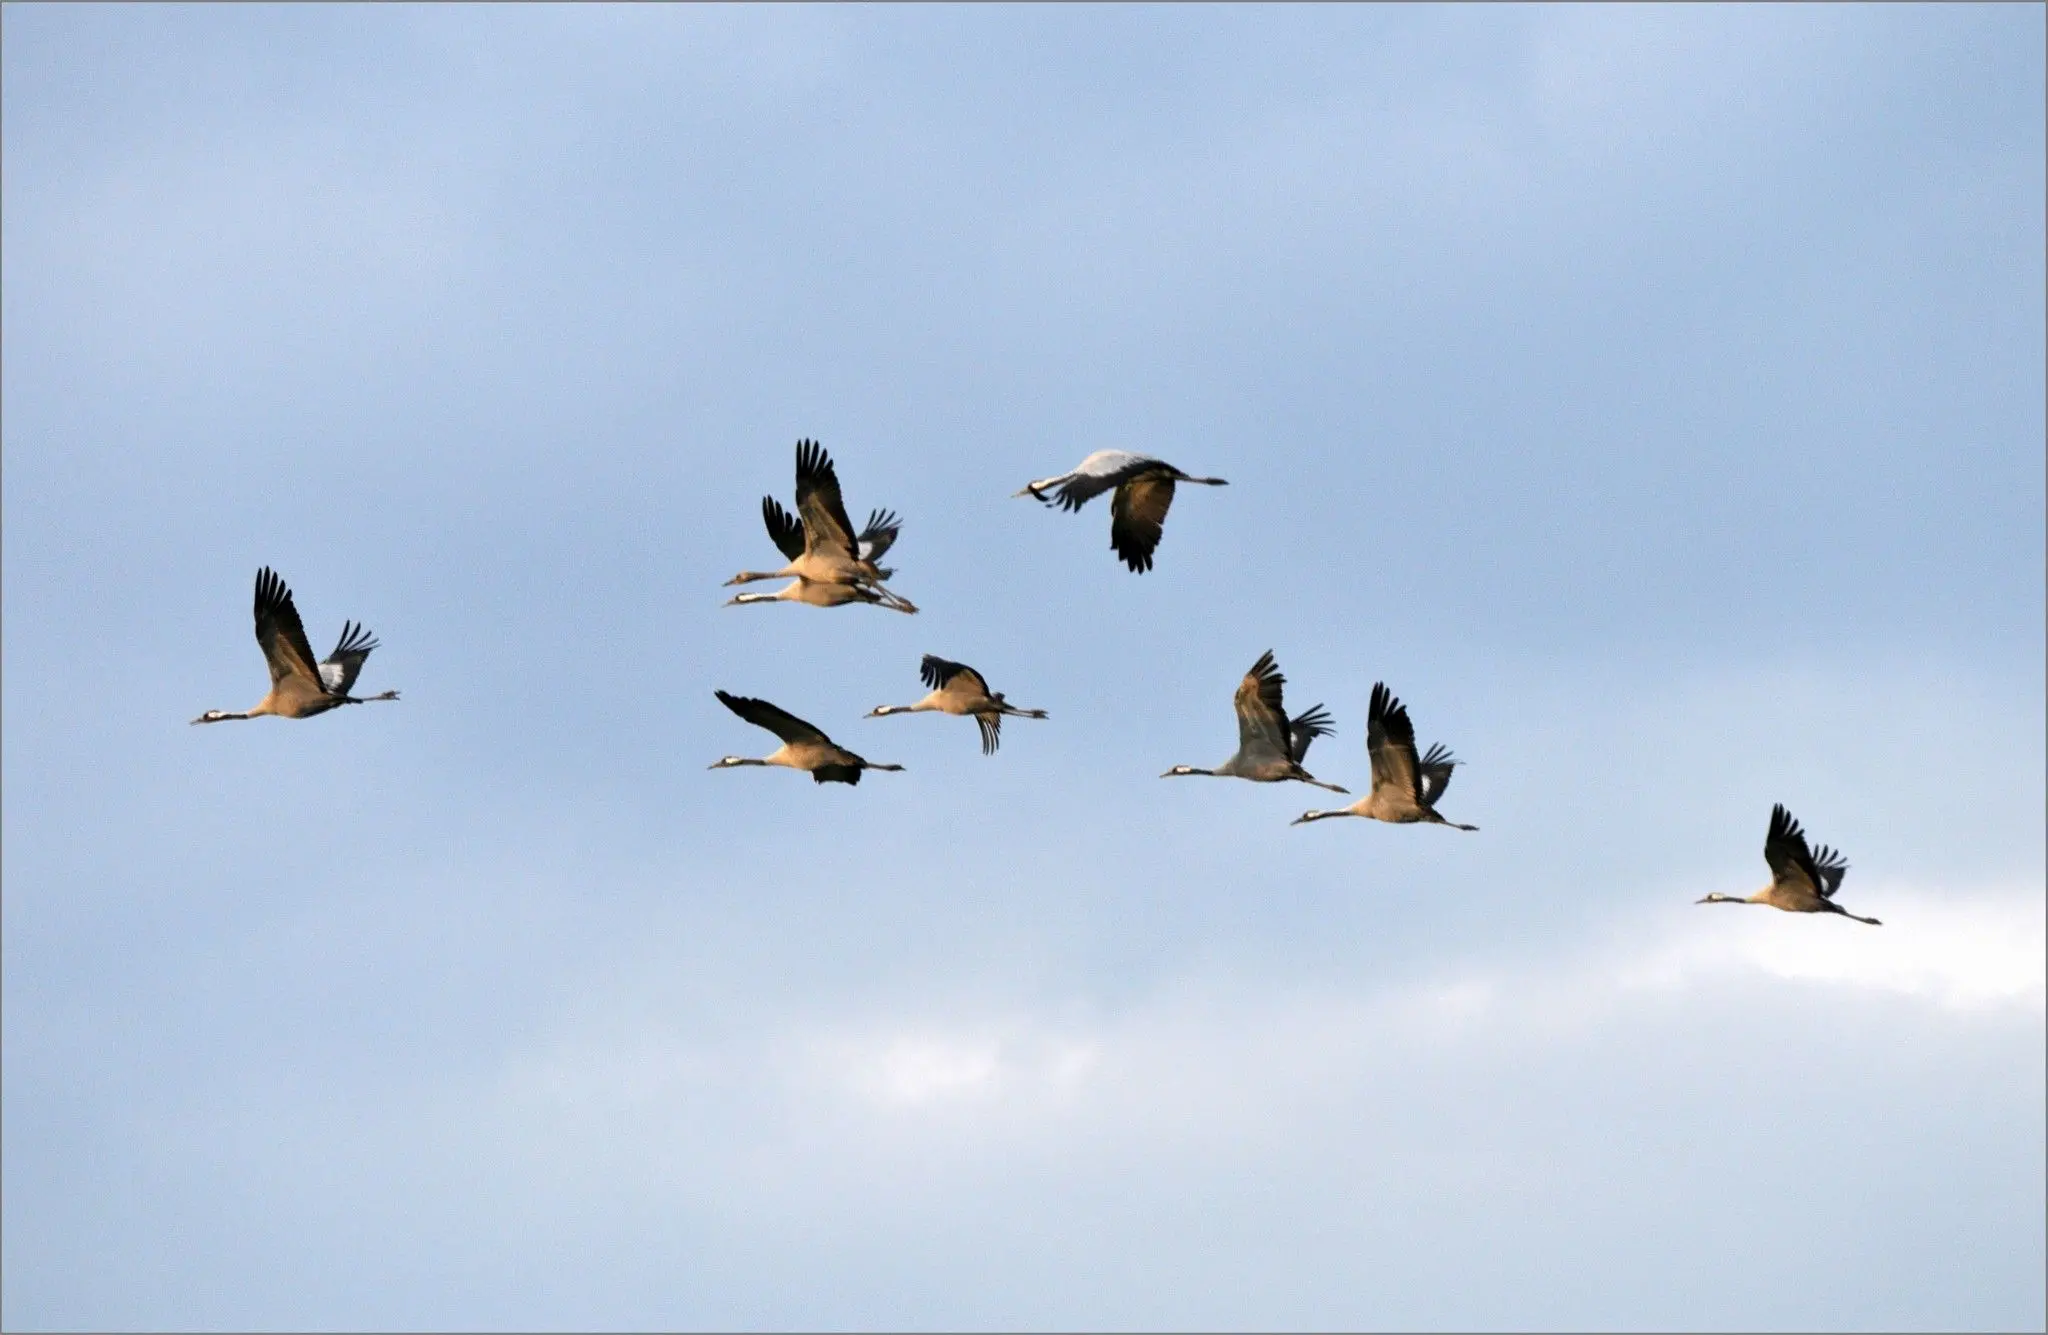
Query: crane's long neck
[(749, 576), (1308, 816), (883, 711)]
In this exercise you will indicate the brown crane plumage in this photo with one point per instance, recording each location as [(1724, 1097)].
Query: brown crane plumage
[(1802, 881), (1270, 746), (300, 685), (959, 689), (804, 747), (1404, 788), (820, 542)]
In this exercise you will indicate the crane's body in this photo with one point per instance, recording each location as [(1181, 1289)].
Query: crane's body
[(820, 593), (819, 539), (1405, 789), (1802, 881), (959, 689), (1137, 513), (804, 747), (1270, 746), (300, 685)]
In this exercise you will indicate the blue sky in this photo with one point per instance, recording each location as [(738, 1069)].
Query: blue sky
[(1652, 396)]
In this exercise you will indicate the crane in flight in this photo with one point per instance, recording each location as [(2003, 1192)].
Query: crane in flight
[(1802, 881), (300, 685), (1404, 789), (958, 689), (1270, 746), (1144, 492), (803, 746), (820, 542)]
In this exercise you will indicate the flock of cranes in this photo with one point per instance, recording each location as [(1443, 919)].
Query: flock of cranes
[(830, 565)]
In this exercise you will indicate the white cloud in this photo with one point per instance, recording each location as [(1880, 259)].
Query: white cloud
[(924, 1067), (1248, 1052)]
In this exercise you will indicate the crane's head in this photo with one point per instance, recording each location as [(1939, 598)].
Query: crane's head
[(727, 762), (1182, 769), (216, 715), (1719, 898), (883, 711)]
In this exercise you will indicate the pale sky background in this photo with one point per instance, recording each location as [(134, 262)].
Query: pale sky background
[(1653, 397)]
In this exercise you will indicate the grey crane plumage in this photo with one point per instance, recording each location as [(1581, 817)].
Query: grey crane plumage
[(300, 686), (958, 689), (1802, 880), (1405, 788), (804, 746), (821, 544), (1270, 745), (1137, 513)]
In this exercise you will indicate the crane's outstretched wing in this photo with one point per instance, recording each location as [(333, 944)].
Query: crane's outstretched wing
[(1791, 861), (784, 528), (939, 674), (1137, 517), (1314, 722), (880, 534), (1436, 773), (339, 670), (1261, 714), (1785, 849), (991, 726), (1390, 744), (1096, 474), (282, 635), (777, 720), (818, 500)]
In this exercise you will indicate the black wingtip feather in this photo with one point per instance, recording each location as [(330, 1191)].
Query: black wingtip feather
[(811, 459), (1315, 721), (270, 589)]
